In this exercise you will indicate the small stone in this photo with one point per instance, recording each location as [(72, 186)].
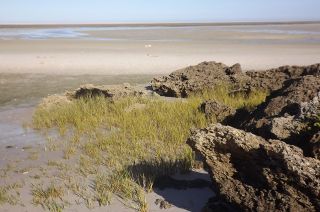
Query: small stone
[(163, 204)]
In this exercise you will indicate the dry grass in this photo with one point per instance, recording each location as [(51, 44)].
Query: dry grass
[(10, 194), (50, 198), (135, 145), (122, 185), (234, 100)]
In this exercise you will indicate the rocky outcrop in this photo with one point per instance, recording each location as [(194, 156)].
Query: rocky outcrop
[(315, 145), (289, 113), (254, 174), (110, 91), (183, 82), (216, 111), (205, 75), (276, 78)]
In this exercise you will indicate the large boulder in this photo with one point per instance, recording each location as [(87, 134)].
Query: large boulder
[(254, 174), (186, 81)]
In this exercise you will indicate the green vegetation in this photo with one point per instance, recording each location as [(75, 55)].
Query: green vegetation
[(133, 145), (3, 195), (9, 194), (49, 198), (235, 100)]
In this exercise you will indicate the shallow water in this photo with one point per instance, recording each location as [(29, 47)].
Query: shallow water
[(12, 130), (83, 33), (20, 93)]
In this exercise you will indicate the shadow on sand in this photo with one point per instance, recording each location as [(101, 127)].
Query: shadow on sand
[(188, 190)]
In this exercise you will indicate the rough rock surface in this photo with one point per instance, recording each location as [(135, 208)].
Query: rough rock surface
[(276, 78), (216, 111), (183, 82), (163, 204), (315, 145), (288, 113), (110, 91), (254, 174), (289, 98)]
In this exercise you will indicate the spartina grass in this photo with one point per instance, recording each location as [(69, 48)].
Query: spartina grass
[(50, 198), (136, 144)]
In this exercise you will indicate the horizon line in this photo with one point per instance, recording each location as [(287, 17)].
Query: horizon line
[(226, 23)]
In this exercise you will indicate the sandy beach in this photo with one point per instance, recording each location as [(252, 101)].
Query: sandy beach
[(155, 50)]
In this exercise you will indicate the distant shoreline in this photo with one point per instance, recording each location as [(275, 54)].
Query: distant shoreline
[(156, 24)]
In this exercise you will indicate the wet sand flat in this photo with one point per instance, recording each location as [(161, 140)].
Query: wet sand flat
[(159, 50)]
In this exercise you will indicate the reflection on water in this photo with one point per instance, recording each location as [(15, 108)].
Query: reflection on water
[(12, 131), (20, 93), (37, 34), (84, 32)]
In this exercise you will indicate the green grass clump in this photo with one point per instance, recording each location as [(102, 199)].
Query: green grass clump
[(137, 144), (121, 185), (235, 100), (3, 196), (50, 198), (10, 194)]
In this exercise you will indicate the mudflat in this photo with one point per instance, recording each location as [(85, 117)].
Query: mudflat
[(155, 49)]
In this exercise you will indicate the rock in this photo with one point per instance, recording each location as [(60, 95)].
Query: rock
[(290, 97), (275, 79), (163, 204), (285, 127), (216, 111), (253, 174), (235, 69), (288, 113), (315, 145), (109, 91), (183, 82)]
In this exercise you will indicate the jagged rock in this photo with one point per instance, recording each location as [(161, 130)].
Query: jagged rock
[(289, 98), (205, 75), (109, 91), (315, 145), (288, 113), (235, 69), (254, 174), (183, 82), (275, 79), (216, 110), (285, 127), (163, 204)]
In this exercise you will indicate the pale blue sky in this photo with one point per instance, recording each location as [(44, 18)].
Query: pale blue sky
[(88, 11)]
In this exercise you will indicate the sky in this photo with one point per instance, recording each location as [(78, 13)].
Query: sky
[(119, 11)]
